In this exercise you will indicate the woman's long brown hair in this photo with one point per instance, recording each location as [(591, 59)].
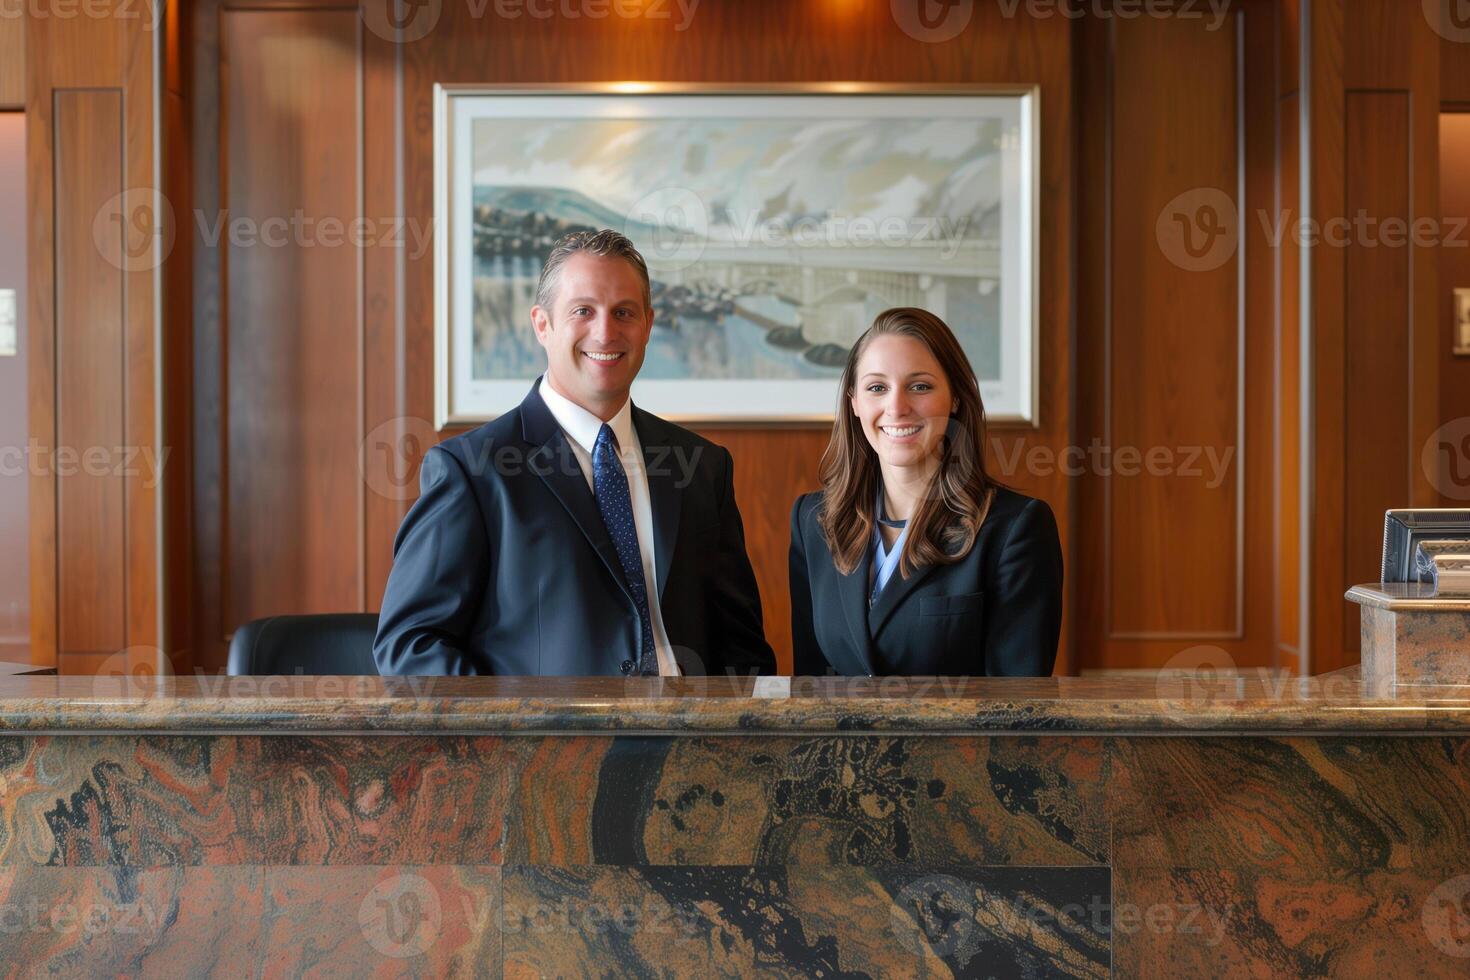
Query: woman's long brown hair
[(949, 515)]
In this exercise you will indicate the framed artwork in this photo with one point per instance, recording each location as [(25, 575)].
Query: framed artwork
[(776, 223), (1462, 321)]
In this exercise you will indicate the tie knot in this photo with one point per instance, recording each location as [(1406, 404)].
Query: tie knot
[(606, 439)]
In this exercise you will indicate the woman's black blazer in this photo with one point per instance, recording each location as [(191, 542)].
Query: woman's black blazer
[(996, 612)]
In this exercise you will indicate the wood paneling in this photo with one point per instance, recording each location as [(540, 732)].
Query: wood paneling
[(177, 362), (1260, 295), (1454, 257), (12, 62), (1323, 279), (1454, 272), (1162, 316), (1366, 57), (344, 557), (292, 338), (283, 519), (1376, 334), (762, 42), (383, 322), (1287, 524), (1176, 338), (1454, 72), (94, 247), (91, 548)]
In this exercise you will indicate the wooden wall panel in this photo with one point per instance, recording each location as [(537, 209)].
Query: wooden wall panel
[(1260, 295), (389, 455), (94, 247), (1287, 489), (1454, 71), (291, 134), (1376, 333), (1324, 280), (150, 233), (1175, 341), (196, 181), (1163, 316), (12, 62), (1361, 52), (1288, 525), (1454, 271), (1094, 142), (177, 338), (91, 549), (231, 557), (1454, 259)]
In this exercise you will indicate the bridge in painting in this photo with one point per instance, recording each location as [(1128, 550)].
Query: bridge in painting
[(834, 288)]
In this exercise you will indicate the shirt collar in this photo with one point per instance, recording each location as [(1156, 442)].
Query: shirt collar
[(580, 425)]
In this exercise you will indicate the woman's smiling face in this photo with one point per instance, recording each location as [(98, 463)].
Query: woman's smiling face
[(902, 399)]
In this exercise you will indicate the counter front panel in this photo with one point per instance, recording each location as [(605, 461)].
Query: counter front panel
[(828, 847)]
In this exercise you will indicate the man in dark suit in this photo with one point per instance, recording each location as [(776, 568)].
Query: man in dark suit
[(576, 534)]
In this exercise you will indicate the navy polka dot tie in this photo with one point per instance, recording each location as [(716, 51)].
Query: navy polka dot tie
[(610, 486)]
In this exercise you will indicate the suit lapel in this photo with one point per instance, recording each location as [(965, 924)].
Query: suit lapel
[(852, 590), (663, 492), (893, 595), (554, 462)]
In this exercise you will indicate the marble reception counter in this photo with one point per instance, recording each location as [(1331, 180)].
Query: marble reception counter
[(540, 827)]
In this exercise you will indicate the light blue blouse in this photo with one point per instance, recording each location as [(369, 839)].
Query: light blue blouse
[(885, 562)]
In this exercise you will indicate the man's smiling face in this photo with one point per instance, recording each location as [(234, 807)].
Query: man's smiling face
[(595, 331)]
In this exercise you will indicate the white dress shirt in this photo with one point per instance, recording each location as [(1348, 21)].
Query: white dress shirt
[(581, 427)]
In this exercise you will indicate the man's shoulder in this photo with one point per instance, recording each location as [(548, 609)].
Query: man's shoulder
[(483, 441)]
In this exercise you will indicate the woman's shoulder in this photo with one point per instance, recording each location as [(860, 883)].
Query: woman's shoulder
[(1007, 507), (1008, 501), (807, 503), (806, 523)]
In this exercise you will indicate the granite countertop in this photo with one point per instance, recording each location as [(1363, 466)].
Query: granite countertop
[(428, 705)]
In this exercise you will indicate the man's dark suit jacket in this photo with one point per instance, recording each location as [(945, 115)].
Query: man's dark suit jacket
[(996, 612), (504, 564)]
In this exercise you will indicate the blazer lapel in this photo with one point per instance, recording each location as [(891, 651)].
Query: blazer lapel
[(852, 589), (893, 595), (557, 466), (663, 492)]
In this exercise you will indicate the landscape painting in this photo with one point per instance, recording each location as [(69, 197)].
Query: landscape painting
[(775, 227)]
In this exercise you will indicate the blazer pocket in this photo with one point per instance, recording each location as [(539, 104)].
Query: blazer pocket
[(950, 605)]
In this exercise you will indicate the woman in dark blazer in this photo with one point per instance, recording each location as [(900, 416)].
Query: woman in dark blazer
[(911, 559)]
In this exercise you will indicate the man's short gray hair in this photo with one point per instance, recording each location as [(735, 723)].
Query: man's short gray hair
[(603, 243)]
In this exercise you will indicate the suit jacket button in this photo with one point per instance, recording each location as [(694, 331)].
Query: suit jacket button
[(628, 666)]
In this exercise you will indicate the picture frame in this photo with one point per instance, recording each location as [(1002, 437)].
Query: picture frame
[(775, 221)]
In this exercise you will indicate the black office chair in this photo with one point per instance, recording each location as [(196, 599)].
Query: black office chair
[(335, 643)]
